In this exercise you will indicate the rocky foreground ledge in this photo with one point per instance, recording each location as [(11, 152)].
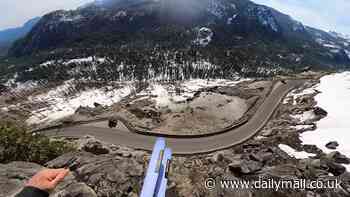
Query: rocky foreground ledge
[(108, 170)]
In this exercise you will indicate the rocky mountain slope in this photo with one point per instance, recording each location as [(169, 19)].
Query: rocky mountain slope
[(232, 34), (8, 36)]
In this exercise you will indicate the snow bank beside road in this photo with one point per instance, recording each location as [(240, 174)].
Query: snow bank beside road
[(335, 99)]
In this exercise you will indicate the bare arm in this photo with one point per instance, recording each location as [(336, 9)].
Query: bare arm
[(43, 182)]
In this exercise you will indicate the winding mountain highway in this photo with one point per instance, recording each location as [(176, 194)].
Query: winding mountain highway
[(188, 146)]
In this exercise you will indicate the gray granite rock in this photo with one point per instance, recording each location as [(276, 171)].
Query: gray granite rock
[(332, 145)]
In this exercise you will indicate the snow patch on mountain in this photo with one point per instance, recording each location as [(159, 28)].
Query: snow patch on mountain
[(67, 18), (333, 46), (303, 127), (308, 115), (61, 102), (264, 71), (297, 94), (47, 63), (12, 81), (85, 60), (320, 41), (204, 36), (121, 13), (298, 26), (20, 87), (334, 50), (347, 53), (168, 94), (230, 20), (294, 153), (75, 61)]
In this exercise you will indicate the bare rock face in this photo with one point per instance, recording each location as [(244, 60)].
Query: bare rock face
[(92, 145), (121, 174), (107, 175), (245, 167), (14, 175), (338, 158), (332, 145), (94, 175), (76, 190), (336, 168), (96, 148), (286, 171), (90, 112), (320, 112), (346, 181)]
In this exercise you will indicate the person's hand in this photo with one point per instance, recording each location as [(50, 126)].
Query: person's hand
[(47, 179)]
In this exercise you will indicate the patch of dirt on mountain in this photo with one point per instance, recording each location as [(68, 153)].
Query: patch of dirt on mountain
[(208, 112)]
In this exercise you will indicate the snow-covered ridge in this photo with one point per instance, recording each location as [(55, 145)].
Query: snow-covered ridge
[(334, 48), (340, 35), (298, 26), (333, 41)]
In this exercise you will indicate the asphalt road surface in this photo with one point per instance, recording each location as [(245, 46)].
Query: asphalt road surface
[(181, 146)]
